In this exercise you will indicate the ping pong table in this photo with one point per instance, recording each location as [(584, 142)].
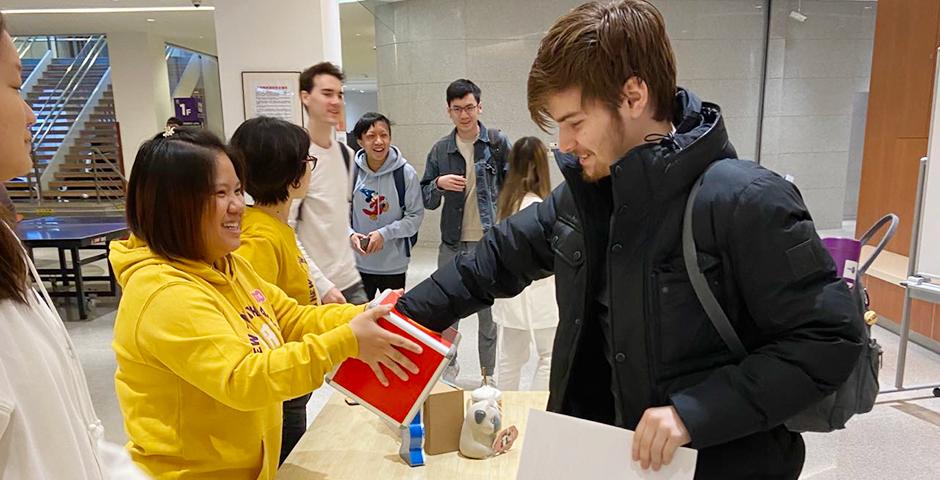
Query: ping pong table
[(74, 234)]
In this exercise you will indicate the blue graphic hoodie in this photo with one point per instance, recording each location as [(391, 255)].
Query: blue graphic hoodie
[(375, 206)]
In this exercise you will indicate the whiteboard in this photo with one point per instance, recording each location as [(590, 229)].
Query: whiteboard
[(928, 247)]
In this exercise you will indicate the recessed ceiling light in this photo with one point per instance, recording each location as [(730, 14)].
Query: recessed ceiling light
[(151, 19), (105, 10), (358, 34)]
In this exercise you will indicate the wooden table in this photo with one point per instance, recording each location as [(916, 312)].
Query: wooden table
[(349, 443)]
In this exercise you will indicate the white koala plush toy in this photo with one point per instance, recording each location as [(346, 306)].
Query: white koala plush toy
[(480, 427)]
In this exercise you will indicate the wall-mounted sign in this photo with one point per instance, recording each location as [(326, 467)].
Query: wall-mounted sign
[(188, 110), (272, 94)]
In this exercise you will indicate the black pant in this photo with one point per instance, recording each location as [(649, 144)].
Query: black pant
[(373, 282), (777, 454), (295, 424)]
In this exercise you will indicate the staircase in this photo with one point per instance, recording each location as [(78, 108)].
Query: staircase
[(90, 170), (60, 114), (28, 65)]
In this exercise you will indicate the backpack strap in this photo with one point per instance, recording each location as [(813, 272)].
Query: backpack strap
[(496, 151), (494, 141), (399, 176), (705, 295), (343, 149), (354, 174)]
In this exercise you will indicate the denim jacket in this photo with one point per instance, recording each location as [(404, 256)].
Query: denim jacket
[(490, 160)]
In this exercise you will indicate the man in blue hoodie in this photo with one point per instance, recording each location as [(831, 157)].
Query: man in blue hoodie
[(386, 206)]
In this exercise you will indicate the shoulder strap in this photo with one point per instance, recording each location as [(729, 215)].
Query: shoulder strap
[(354, 176), (399, 175), (494, 141), (705, 295), (343, 149)]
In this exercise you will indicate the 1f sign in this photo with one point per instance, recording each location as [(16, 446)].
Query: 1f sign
[(184, 110)]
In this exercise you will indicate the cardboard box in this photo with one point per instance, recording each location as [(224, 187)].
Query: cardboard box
[(443, 419)]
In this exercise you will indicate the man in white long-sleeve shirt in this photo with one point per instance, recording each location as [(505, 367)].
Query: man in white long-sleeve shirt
[(323, 216)]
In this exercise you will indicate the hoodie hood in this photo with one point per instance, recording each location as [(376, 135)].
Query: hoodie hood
[(394, 161), (132, 256)]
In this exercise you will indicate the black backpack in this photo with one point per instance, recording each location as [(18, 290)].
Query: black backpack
[(399, 176), (858, 393)]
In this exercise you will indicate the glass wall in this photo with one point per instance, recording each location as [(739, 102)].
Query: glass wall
[(194, 84)]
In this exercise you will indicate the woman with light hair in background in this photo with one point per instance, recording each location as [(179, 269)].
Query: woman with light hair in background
[(532, 316)]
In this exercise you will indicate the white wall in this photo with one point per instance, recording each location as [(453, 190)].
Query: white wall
[(141, 88), (259, 36)]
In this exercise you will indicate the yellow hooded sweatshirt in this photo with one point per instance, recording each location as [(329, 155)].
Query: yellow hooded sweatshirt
[(205, 356), (270, 246)]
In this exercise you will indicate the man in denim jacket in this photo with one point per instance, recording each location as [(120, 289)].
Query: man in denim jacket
[(466, 169)]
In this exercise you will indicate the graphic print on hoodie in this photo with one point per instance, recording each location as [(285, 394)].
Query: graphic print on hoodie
[(376, 204)]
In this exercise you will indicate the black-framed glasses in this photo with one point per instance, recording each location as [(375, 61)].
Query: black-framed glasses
[(468, 109), (312, 160)]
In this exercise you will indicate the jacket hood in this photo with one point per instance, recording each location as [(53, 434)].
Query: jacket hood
[(394, 161), (668, 164), (128, 257)]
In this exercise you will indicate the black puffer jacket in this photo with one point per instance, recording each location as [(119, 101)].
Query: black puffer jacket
[(761, 254)]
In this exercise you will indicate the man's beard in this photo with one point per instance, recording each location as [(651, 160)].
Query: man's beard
[(594, 177)]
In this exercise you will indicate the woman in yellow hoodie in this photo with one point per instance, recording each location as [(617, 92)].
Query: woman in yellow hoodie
[(277, 170), (206, 349)]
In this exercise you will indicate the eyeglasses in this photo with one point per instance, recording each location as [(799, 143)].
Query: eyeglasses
[(312, 160), (468, 109)]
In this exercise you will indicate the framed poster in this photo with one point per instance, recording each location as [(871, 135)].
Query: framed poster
[(272, 94)]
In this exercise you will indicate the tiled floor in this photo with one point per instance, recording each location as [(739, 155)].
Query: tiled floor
[(899, 439)]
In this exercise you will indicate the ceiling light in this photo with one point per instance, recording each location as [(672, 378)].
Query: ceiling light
[(151, 20), (104, 10)]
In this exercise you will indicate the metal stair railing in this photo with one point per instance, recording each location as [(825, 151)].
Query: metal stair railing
[(114, 171), (85, 60), (23, 48)]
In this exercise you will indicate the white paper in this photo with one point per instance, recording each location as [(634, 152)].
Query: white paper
[(562, 447)]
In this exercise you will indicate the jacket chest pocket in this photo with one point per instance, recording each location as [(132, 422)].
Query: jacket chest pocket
[(686, 340), (568, 246)]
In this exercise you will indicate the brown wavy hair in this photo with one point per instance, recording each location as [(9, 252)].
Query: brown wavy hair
[(528, 172), (597, 47), (13, 285)]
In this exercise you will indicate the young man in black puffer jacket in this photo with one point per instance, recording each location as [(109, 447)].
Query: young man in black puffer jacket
[(634, 348)]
